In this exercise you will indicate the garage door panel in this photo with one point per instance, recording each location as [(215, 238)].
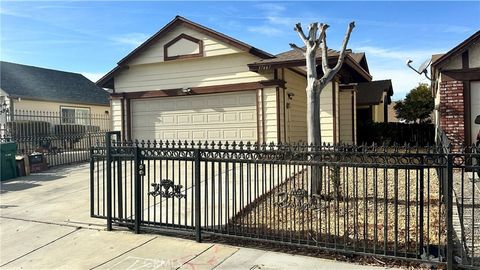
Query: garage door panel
[(229, 116), (198, 119), (213, 118), (183, 119)]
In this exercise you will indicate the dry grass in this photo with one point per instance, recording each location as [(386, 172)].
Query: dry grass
[(377, 209)]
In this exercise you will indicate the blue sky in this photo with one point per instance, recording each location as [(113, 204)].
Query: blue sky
[(91, 37)]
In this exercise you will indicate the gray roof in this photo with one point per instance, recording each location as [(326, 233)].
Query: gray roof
[(371, 93), (49, 85)]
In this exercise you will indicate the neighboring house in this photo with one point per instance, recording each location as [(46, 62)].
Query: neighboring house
[(456, 88), (392, 114), (373, 100), (188, 82), (35, 89)]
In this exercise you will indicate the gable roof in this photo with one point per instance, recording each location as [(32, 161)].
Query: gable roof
[(105, 81), (49, 85), (371, 93), (460, 48), (361, 59), (294, 58)]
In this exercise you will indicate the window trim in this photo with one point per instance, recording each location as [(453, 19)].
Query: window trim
[(74, 108)]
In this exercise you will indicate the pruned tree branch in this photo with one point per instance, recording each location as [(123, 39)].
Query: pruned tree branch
[(301, 34), (295, 47), (324, 48), (341, 57), (317, 37), (312, 34)]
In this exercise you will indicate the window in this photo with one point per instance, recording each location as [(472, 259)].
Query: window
[(75, 116)]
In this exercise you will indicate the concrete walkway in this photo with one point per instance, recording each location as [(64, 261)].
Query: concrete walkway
[(45, 224)]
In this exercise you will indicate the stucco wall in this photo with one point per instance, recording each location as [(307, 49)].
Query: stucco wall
[(474, 56)]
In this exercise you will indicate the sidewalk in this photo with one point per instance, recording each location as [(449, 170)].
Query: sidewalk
[(45, 224)]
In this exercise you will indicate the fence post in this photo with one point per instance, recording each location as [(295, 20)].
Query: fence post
[(422, 203), (119, 188), (449, 191), (139, 171), (198, 224), (108, 143), (92, 182)]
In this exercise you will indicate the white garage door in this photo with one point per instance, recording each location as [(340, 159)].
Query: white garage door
[(228, 116), (475, 109)]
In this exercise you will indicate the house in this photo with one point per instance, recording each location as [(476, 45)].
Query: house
[(392, 114), (456, 88), (373, 100), (189, 82), (29, 88)]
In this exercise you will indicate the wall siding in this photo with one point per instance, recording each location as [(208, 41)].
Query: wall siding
[(270, 114), (206, 71), (116, 115), (345, 116), (155, 53), (47, 106), (326, 113), (296, 114)]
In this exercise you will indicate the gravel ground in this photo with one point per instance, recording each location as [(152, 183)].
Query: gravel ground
[(377, 210), (467, 195)]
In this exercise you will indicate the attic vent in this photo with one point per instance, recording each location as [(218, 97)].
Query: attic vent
[(183, 47)]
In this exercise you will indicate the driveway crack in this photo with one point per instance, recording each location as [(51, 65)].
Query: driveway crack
[(123, 253), (30, 252), (196, 256)]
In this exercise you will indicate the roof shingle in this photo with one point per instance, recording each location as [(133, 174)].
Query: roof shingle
[(49, 85)]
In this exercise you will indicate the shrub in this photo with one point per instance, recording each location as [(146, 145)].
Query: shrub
[(29, 129)]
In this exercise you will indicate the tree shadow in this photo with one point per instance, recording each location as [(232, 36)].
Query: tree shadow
[(27, 182)]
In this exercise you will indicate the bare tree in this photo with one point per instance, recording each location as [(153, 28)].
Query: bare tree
[(315, 85)]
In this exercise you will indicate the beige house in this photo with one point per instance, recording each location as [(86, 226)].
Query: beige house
[(189, 82), (39, 93), (456, 88), (373, 100)]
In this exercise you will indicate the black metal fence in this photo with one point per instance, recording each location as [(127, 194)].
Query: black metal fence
[(464, 179), (397, 202), (395, 133), (62, 138)]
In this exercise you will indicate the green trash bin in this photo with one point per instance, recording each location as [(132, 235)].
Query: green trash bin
[(8, 165)]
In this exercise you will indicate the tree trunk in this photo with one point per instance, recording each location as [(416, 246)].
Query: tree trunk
[(315, 86), (313, 101)]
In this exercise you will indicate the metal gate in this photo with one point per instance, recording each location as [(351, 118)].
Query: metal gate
[(396, 203)]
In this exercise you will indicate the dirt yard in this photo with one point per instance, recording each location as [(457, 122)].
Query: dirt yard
[(374, 210)]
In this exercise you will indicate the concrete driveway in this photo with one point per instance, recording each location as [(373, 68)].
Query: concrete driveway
[(45, 224)]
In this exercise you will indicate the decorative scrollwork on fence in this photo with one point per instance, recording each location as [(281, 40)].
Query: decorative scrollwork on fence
[(298, 199), (167, 189)]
